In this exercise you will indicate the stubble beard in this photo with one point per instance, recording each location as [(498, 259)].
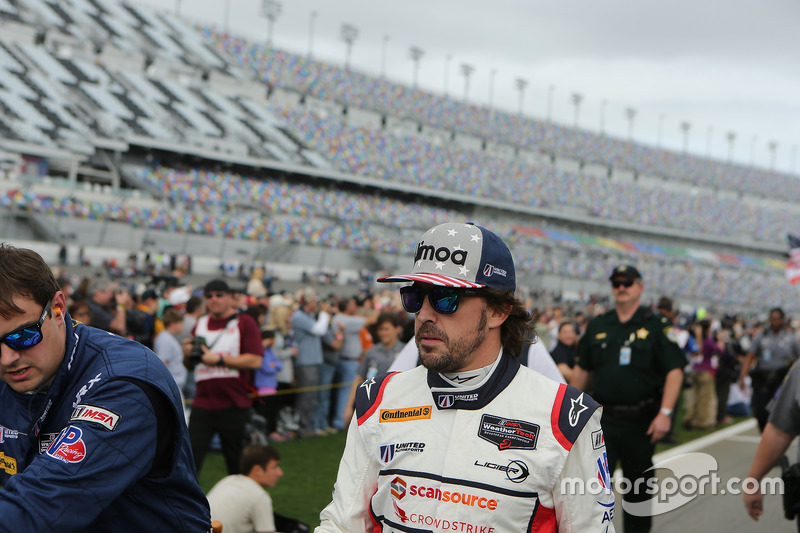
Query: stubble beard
[(456, 353)]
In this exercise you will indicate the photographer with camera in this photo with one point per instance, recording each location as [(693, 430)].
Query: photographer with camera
[(225, 346)]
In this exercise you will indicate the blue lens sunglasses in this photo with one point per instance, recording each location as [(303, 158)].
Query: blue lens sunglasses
[(444, 300), (27, 336)]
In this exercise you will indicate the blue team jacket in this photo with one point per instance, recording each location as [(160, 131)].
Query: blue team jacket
[(90, 454)]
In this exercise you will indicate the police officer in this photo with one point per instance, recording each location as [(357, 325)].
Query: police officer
[(630, 358), (773, 350)]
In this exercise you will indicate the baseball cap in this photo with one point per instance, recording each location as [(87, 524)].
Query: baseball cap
[(217, 285), (149, 294), (461, 255), (625, 271), (179, 295)]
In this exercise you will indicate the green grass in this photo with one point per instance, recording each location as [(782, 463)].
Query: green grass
[(309, 471), (310, 467)]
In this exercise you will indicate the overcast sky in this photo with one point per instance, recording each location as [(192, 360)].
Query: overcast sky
[(731, 65)]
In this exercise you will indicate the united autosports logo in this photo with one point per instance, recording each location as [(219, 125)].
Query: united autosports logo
[(388, 451)]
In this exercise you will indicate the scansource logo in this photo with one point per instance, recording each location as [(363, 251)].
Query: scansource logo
[(693, 474)]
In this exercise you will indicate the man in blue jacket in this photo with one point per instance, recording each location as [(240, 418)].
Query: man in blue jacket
[(92, 434)]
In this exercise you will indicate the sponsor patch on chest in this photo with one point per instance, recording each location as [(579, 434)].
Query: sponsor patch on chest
[(509, 434)]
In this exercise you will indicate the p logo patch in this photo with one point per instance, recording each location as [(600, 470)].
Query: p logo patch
[(68, 446)]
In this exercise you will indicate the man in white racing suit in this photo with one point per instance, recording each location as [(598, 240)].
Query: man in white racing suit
[(471, 441)]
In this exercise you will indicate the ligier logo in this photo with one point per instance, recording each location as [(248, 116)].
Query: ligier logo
[(404, 415), (398, 487)]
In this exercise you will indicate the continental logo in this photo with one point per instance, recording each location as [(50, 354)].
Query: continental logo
[(404, 415), (9, 464)]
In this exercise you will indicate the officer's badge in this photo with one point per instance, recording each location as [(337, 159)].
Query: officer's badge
[(642, 333)]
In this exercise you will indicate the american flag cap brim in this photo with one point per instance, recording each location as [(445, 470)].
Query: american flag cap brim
[(433, 279)]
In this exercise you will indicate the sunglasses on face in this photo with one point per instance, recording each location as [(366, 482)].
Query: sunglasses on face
[(444, 300), (27, 336), (210, 295), (622, 283)]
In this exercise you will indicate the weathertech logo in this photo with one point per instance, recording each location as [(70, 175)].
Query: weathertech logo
[(404, 415)]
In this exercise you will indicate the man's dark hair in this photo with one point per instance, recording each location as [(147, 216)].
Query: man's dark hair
[(566, 323), (664, 304), (520, 326), (257, 455), (193, 304), (23, 273), (779, 311), (388, 316)]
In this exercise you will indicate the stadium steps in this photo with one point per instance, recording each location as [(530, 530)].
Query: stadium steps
[(131, 178)]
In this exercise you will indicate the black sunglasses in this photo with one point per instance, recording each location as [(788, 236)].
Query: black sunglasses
[(27, 336), (622, 283), (444, 300)]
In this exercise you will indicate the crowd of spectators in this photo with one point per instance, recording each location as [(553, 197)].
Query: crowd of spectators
[(205, 202), (283, 69)]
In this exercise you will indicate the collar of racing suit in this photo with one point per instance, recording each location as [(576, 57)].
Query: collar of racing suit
[(449, 395)]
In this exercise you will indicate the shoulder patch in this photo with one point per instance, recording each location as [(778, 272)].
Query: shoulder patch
[(571, 410), (369, 394), (97, 415)]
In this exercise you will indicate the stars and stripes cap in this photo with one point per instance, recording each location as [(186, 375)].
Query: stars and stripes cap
[(461, 255)]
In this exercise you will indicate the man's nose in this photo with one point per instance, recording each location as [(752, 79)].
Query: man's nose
[(8, 355)]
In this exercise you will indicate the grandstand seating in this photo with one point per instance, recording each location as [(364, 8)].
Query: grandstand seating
[(101, 68)]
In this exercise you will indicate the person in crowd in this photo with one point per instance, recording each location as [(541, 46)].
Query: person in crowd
[(782, 426), (168, 348), (630, 359), (80, 311), (227, 347), (702, 412), (279, 321), (309, 324), (239, 501), (773, 351), (108, 304), (266, 383), (350, 323), (564, 352), (379, 358), (424, 442), (86, 416), (332, 343)]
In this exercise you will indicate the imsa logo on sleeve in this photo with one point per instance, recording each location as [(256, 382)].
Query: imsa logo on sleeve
[(96, 415)]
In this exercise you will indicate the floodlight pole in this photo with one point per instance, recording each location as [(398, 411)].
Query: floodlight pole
[(416, 53), (630, 114), (466, 71), (521, 84), (731, 136), (384, 49), (271, 9), (311, 19), (685, 127), (576, 101), (773, 150), (492, 74), (349, 34)]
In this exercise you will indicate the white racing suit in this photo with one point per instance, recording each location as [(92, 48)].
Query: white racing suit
[(423, 455)]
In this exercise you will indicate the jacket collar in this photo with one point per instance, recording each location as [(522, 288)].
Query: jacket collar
[(446, 396)]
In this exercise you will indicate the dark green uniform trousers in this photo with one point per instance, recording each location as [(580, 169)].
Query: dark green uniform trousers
[(628, 442)]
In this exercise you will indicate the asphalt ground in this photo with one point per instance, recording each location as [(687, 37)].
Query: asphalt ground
[(715, 509)]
